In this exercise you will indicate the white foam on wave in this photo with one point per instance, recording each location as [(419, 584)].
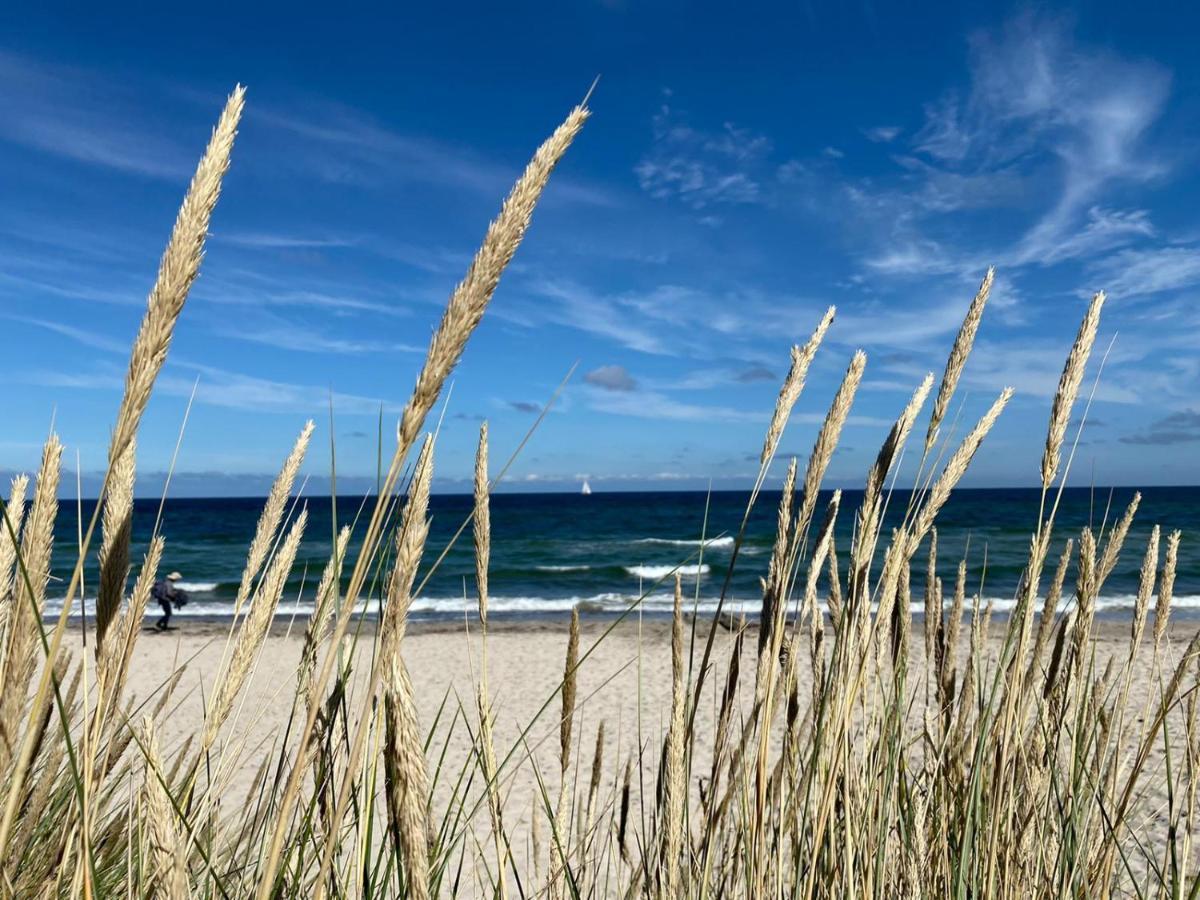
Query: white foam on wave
[(562, 568), (196, 587), (718, 542), (612, 602), (653, 573)]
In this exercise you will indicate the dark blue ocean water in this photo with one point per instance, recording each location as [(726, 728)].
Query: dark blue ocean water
[(552, 551)]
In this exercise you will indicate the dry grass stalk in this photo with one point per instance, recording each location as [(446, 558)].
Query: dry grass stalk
[(253, 631), (168, 846), (828, 437), (14, 515), (1141, 606), (117, 525), (176, 273), (29, 597), (1068, 390), (463, 313), (793, 385), (674, 779), (112, 669), (1166, 588), (317, 629), (954, 470), (776, 579), (410, 546), (407, 782), (872, 505), (404, 758), (958, 358), (570, 685), (482, 531), (482, 523), (1116, 540), (272, 514)]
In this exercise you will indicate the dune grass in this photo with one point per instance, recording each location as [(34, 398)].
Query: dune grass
[(851, 758)]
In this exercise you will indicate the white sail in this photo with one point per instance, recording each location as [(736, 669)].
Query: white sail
[(587, 488)]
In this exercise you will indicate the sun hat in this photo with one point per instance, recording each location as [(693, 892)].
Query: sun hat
[(174, 576)]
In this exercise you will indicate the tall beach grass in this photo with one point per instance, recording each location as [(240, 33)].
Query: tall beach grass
[(844, 757)]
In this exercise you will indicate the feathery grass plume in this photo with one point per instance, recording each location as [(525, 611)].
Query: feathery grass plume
[(623, 810), (404, 758), (947, 658), (482, 532), (1146, 576), (1116, 540), (793, 384), (112, 669), (587, 843), (15, 513), (463, 313), (827, 438), (933, 608), (117, 525), (482, 523), (1166, 587), (176, 273), (1068, 390), (674, 780), (954, 470), (870, 509), (902, 632), (168, 847), (1085, 594), (776, 576), (535, 840), (1065, 630), (407, 781), (834, 601), (410, 546), (29, 595), (318, 623), (1053, 595), (561, 816), (253, 631), (272, 515), (569, 686), (474, 292), (958, 358)]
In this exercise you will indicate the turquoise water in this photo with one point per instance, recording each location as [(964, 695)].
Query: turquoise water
[(553, 551)]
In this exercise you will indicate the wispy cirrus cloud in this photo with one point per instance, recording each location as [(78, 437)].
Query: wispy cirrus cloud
[(53, 109), (344, 145), (1046, 127), (1139, 273), (703, 168)]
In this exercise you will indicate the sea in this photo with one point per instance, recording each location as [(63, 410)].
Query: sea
[(604, 552)]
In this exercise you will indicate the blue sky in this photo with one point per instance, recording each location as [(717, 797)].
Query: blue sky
[(740, 174)]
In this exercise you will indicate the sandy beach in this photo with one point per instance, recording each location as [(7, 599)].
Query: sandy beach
[(624, 682)]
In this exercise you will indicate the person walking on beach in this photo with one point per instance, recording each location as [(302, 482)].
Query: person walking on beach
[(168, 595)]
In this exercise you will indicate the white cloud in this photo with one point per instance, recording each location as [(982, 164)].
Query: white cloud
[(1138, 273), (882, 134), (344, 145), (654, 405), (611, 378), (1036, 92), (702, 168), (77, 114)]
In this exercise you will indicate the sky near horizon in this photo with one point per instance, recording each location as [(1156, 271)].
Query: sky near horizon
[(739, 175)]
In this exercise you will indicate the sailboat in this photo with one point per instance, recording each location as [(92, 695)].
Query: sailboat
[(587, 488)]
